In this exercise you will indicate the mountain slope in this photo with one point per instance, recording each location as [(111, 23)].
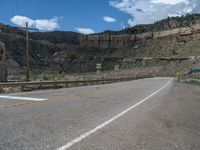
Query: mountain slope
[(82, 55), (41, 44)]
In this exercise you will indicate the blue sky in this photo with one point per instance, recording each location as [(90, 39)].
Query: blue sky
[(88, 16)]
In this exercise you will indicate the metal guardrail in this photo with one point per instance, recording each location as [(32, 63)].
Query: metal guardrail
[(55, 83)]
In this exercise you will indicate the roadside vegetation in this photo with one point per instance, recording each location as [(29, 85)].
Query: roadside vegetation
[(193, 79)]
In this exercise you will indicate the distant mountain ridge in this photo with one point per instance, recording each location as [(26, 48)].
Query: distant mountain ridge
[(165, 24)]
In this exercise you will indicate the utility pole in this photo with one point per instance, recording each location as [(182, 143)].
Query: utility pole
[(26, 57), (27, 53)]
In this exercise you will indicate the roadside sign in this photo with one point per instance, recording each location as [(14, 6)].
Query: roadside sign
[(116, 67), (98, 66), (196, 70)]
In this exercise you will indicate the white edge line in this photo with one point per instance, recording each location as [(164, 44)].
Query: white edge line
[(81, 137), (22, 98)]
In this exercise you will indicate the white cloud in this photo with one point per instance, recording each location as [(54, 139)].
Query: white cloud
[(41, 24), (109, 19), (21, 21), (45, 24), (85, 30), (149, 11), (170, 2), (174, 15)]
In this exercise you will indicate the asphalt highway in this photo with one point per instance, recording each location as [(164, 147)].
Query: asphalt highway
[(146, 114)]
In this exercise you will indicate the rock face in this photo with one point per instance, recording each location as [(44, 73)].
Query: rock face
[(3, 68), (171, 50), (181, 41)]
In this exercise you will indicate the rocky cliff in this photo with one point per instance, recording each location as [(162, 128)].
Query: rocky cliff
[(174, 42), (174, 49)]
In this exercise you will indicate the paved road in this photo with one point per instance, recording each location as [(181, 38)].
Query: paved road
[(144, 114)]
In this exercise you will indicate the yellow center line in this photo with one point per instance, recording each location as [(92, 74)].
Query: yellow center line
[(63, 97), (18, 104)]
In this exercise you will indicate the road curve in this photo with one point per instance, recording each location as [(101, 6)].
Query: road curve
[(154, 113)]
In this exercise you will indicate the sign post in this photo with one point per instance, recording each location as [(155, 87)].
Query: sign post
[(98, 67), (116, 67)]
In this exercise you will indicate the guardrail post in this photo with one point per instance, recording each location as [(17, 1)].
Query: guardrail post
[(76, 83), (66, 85), (102, 79), (22, 88)]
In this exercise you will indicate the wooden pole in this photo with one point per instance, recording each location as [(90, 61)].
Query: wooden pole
[(27, 54)]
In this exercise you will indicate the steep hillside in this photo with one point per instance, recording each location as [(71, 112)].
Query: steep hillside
[(139, 46), (178, 42), (171, 42), (42, 44)]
